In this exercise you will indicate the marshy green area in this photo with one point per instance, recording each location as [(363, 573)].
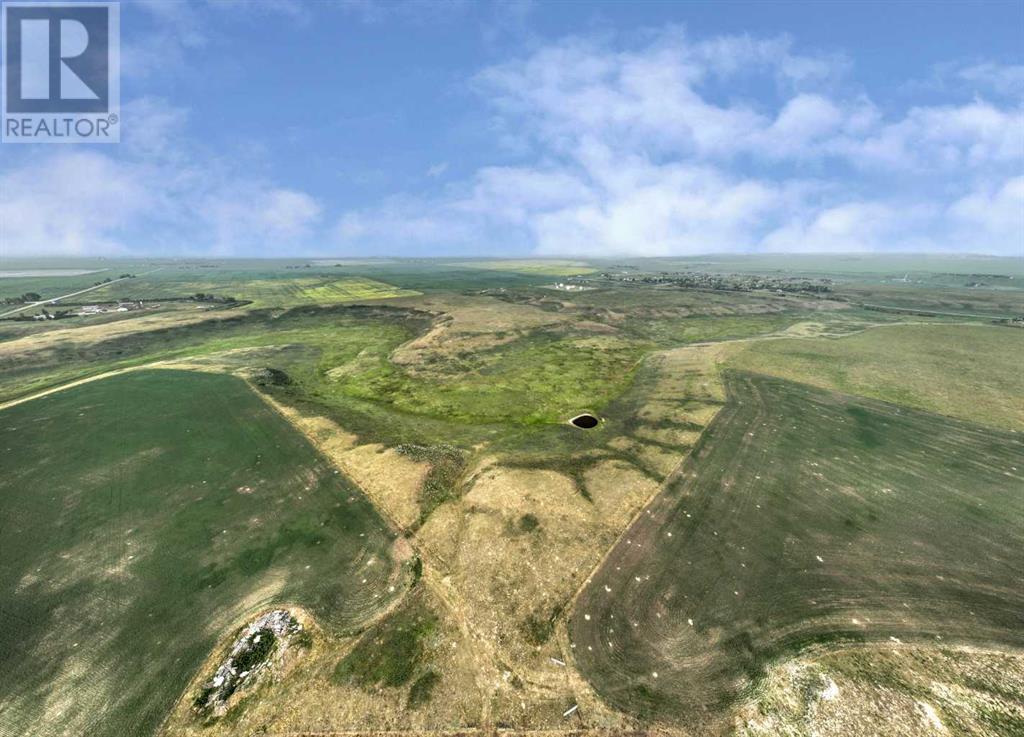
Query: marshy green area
[(144, 516)]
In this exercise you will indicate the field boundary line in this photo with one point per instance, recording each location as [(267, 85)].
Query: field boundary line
[(85, 380), (669, 479), (430, 580)]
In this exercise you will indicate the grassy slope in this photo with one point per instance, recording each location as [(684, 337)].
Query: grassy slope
[(128, 549), (970, 372), (805, 516), (272, 289)]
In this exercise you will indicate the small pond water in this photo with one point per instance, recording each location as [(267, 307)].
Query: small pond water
[(586, 421)]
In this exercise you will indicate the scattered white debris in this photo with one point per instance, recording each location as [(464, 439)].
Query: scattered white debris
[(570, 710), (655, 674), (227, 679), (689, 622), (820, 560), (586, 617), (931, 717)]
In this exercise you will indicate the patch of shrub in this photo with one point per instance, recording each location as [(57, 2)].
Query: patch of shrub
[(389, 654), (271, 377), (423, 688), (447, 464), (529, 522), (537, 628)]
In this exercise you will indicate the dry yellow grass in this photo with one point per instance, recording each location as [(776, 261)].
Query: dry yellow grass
[(87, 334), (468, 324), (500, 575), (910, 691), (500, 566), (390, 479)]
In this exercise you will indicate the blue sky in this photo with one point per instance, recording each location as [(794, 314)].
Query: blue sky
[(361, 127)]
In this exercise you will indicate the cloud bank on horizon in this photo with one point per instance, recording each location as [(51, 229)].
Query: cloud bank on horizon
[(652, 142)]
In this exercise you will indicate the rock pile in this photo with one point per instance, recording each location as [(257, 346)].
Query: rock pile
[(249, 654)]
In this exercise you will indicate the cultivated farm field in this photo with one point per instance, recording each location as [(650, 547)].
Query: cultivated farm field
[(805, 517), (922, 366), (171, 506)]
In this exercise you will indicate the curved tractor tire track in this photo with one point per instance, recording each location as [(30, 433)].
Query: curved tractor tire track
[(805, 517)]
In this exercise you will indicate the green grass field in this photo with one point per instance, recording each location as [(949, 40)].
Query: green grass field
[(805, 517), (279, 289), (971, 372), (541, 267), (144, 516)]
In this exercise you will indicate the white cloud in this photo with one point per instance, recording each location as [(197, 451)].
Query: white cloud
[(513, 194), (258, 218), (849, 227), (156, 192), (1004, 79), (967, 137), (671, 147), (651, 151), (402, 226), (991, 219), (69, 203), (678, 210)]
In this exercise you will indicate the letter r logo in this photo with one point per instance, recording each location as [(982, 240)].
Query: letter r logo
[(56, 58)]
